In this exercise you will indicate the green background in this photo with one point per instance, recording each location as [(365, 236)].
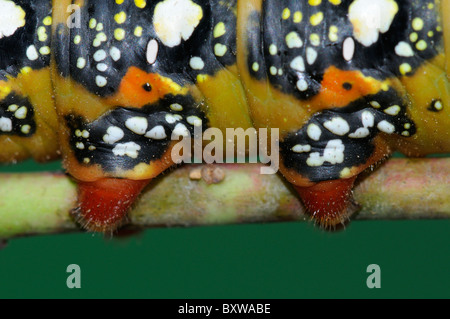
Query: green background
[(280, 260)]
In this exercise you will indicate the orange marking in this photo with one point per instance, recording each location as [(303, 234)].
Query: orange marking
[(139, 88), (334, 94)]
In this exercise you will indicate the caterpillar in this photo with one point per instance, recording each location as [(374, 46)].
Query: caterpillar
[(105, 84)]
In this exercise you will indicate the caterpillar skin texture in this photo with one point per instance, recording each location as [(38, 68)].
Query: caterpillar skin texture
[(346, 82)]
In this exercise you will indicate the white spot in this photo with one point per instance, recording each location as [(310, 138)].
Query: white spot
[(176, 20), (152, 51), (421, 45), (333, 33), (337, 126), (115, 53), (333, 153), (180, 130), (129, 149), (5, 124), (293, 40), (176, 107), (81, 63), (85, 134), (371, 17), (45, 50), (375, 104), (21, 113), (386, 127), (196, 63), (273, 50), (25, 129), (298, 64), (13, 107), (438, 105), (100, 81), (101, 36), (220, 49), (367, 119), (194, 120), (102, 67), (113, 135), (273, 70), (311, 55), (42, 34), (360, 133), (417, 24), (314, 132), (157, 133), (99, 55), (299, 148), (314, 159), (219, 30), (302, 85), (96, 43), (137, 125), (392, 110), (12, 17), (32, 53), (348, 49), (314, 39), (79, 145), (171, 118), (92, 23), (404, 49)]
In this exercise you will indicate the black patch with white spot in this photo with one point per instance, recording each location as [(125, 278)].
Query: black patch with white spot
[(378, 60), (13, 48), (356, 150), (17, 116), (171, 62), (436, 106), (92, 148)]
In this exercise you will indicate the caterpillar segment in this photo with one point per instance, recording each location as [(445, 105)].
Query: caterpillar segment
[(114, 85), (341, 79), (28, 119), (130, 81)]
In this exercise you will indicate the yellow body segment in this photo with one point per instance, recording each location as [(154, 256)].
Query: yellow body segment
[(43, 145), (433, 133)]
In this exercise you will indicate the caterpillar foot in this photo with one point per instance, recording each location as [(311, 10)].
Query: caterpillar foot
[(104, 204), (329, 203)]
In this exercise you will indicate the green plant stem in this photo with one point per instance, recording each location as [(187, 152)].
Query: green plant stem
[(39, 203)]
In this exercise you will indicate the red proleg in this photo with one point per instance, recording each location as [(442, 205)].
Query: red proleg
[(104, 204), (329, 202)]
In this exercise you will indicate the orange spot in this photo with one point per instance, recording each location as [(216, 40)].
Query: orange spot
[(339, 88), (139, 88), (104, 204)]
